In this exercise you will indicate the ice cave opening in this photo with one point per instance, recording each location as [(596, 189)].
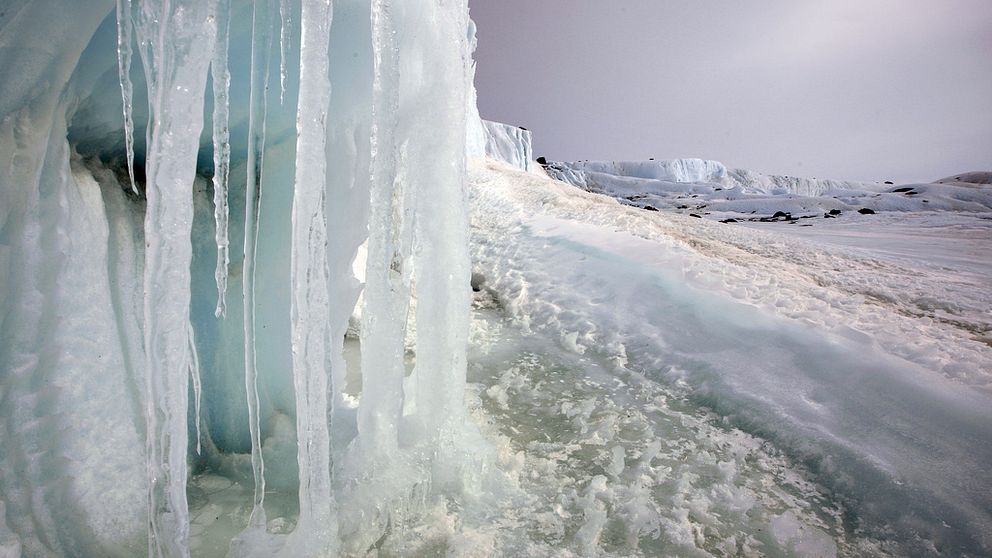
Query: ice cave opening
[(213, 211)]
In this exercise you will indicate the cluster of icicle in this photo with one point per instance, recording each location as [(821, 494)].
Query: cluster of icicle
[(416, 234)]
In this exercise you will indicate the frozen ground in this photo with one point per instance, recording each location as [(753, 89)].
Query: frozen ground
[(860, 359)]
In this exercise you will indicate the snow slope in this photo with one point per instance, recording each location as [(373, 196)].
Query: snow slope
[(872, 372)]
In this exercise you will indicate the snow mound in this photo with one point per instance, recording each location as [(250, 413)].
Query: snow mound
[(976, 177)]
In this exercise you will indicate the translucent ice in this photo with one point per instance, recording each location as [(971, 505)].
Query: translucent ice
[(116, 345)]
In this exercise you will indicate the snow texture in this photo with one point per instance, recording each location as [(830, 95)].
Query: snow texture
[(870, 363)]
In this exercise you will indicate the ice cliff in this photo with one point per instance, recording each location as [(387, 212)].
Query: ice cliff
[(620, 175), (509, 144), (176, 270)]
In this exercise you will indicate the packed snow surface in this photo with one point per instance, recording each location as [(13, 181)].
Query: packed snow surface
[(866, 362)]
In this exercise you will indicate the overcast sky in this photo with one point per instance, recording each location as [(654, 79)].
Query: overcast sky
[(850, 89)]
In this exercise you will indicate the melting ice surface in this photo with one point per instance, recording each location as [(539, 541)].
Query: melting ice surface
[(235, 291)]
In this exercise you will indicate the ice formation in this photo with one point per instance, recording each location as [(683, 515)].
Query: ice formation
[(640, 383), (111, 338), (509, 144)]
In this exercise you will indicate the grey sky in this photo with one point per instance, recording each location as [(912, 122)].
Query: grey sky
[(848, 89)]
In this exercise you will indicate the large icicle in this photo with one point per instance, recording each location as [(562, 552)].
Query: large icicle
[(194, 374), (172, 37), (221, 78), (284, 29), (258, 103), (125, 30), (316, 530), (442, 268), (388, 273)]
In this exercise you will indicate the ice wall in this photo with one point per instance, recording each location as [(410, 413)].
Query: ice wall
[(509, 144), (637, 176), (675, 170), (166, 324)]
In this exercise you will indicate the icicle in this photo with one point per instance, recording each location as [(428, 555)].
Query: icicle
[(124, 33), (284, 28), (441, 262), (387, 287), (309, 310), (258, 105), (176, 75), (221, 78), (194, 374)]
